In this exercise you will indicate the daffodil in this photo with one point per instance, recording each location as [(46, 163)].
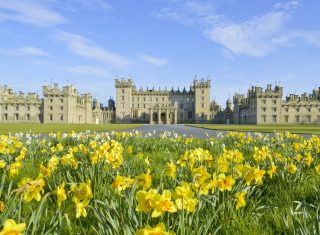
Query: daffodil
[(31, 189), (61, 194), (159, 229), (225, 182), (171, 170), (10, 227), (292, 168), (147, 200), (164, 204), (144, 180), (83, 191), (240, 199), (81, 207), (184, 197), (121, 183)]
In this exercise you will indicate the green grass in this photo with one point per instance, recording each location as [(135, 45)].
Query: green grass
[(298, 129), (48, 128)]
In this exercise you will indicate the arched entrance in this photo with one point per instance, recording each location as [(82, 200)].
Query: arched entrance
[(163, 118), (155, 117)]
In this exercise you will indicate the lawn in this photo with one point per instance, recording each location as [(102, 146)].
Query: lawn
[(120, 183), (299, 129), (48, 128)]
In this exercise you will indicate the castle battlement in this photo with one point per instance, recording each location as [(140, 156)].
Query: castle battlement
[(122, 83)]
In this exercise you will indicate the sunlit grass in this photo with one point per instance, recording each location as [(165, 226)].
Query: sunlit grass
[(48, 128), (299, 129)]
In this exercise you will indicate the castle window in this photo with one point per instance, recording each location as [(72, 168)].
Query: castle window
[(308, 119), (202, 105), (122, 97), (51, 100), (202, 91), (16, 117), (309, 109), (135, 114), (17, 107), (28, 117), (144, 115), (286, 118), (286, 109), (274, 118), (188, 99), (51, 117), (264, 109), (138, 105), (5, 117), (144, 106), (150, 98), (274, 101), (144, 98), (132, 99), (61, 117), (263, 101), (28, 107), (122, 91), (202, 115), (274, 109), (61, 100), (202, 98), (162, 99), (61, 108), (297, 118), (297, 109), (38, 117), (181, 106), (264, 118), (190, 114), (156, 99), (51, 108), (181, 115), (6, 108)]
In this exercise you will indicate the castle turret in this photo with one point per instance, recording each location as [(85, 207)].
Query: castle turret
[(202, 100), (123, 99)]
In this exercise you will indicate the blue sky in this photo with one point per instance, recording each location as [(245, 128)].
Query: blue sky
[(88, 43)]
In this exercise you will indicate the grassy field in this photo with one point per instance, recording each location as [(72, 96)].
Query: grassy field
[(48, 128), (298, 129), (123, 184)]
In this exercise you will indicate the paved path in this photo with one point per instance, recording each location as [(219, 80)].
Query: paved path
[(188, 131)]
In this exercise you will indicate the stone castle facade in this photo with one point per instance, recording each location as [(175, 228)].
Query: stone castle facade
[(64, 105), (267, 107), (160, 106)]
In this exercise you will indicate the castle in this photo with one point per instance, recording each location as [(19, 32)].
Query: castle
[(160, 106)]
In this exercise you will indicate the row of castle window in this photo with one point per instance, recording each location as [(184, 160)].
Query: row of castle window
[(5, 108), (51, 100), (286, 118), (51, 117), (17, 117), (51, 108), (163, 99)]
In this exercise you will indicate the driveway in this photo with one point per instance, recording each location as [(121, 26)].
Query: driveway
[(187, 131)]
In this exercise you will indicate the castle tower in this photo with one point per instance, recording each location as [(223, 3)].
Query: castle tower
[(202, 100), (123, 100)]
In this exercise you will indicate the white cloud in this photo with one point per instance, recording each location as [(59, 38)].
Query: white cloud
[(27, 50), (29, 12), (89, 70), (81, 46), (257, 36), (153, 60)]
